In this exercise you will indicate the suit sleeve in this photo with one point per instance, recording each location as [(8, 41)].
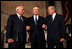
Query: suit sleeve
[(9, 28), (25, 23), (62, 27), (28, 22), (46, 21)]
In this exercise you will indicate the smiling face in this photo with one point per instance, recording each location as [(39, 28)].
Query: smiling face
[(51, 10), (35, 10)]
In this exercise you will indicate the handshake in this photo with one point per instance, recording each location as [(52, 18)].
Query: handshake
[(28, 27)]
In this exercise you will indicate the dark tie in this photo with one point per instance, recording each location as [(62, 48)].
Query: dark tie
[(21, 18), (51, 19), (20, 22), (36, 20)]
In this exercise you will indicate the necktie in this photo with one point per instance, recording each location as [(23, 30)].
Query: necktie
[(21, 18), (51, 19), (36, 20)]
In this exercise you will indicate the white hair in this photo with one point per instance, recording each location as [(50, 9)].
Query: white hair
[(17, 8)]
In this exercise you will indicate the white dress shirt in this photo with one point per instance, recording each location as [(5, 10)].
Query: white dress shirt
[(36, 16), (19, 17), (53, 16)]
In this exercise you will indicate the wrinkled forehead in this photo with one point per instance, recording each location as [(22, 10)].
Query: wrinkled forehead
[(35, 8)]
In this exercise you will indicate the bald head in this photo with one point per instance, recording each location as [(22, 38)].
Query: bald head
[(36, 10), (20, 10)]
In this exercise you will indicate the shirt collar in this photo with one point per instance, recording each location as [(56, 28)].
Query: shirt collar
[(36, 16), (18, 15), (54, 14)]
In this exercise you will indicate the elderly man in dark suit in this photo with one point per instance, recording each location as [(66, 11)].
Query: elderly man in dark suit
[(16, 29), (36, 24), (55, 27)]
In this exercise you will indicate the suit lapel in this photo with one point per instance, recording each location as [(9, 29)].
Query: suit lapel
[(33, 22), (54, 19), (18, 20), (17, 17), (32, 19), (49, 19), (39, 19)]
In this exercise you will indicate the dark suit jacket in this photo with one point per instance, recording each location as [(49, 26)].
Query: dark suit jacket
[(56, 29), (36, 32), (16, 28)]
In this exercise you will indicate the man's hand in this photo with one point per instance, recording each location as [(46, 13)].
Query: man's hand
[(62, 40), (10, 40), (43, 26), (28, 28)]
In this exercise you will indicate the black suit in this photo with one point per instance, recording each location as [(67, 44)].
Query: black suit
[(36, 33), (56, 30), (16, 30)]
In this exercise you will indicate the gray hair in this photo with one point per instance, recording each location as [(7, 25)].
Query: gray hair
[(17, 8), (36, 7)]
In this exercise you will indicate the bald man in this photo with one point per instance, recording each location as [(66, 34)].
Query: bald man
[(36, 22), (55, 28), (16, 32)]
